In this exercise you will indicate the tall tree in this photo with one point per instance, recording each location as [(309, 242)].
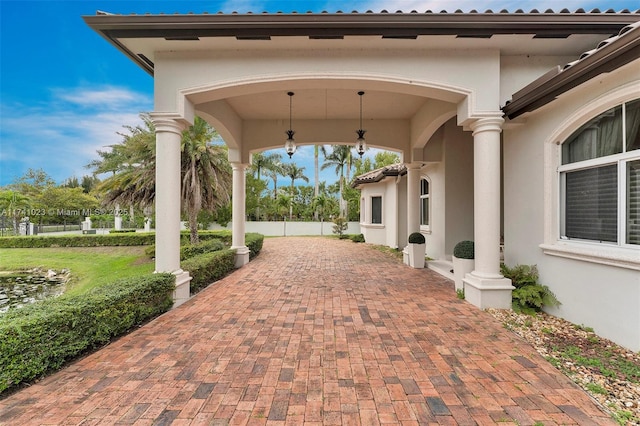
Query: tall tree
[(264, 161), (206, 173), (271, 162), (132, 164), (13, 205), (338, 159), (294, 172), (277, 169)]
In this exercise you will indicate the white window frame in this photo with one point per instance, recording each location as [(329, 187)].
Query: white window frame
[(427, 227), (618, 255), (371, 197)]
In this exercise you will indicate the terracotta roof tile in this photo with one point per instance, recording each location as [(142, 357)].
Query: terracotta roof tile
[(397, 169)]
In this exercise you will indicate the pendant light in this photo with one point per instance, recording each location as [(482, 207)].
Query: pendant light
[(361, 146), (290, 144)]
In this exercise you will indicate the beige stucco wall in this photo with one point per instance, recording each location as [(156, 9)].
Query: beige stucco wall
[(458, 155), (597, 295)]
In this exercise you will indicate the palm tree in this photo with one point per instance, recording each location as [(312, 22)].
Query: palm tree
[(294, 172), (323, 205), (316, 152), (339, 158), (277, 169), (270, 162), (205, 170), (206, 173), (14, 204), (261, 160), (133, 166)]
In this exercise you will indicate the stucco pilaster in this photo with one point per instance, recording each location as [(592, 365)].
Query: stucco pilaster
[(413, 197), (168, 139), (485, 287), (238, 214)]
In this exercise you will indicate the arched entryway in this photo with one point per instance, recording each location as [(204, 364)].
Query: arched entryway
[(235, 72)]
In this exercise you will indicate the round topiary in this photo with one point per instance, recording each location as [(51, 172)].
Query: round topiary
[(464, 250), (416, 238)]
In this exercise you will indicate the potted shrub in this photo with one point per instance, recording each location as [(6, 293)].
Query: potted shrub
[(416, 249), (463, 261)]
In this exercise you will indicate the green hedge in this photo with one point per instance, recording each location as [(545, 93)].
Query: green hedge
[(253, 241), (200, 248), (223, 235), (93, 240), (40, 338), (208, 267)]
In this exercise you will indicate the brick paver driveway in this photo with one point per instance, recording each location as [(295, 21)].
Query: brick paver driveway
[(313, 331)]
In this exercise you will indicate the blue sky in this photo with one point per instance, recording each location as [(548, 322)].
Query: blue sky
[(65, 92)]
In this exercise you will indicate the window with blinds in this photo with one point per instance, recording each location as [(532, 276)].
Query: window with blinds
[(633, 202), (592, 204), (600, 178)]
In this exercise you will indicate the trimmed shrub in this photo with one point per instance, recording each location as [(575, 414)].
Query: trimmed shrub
[(253, 241), (42, 337), (464, 250), (224, 235), (121, 231), (206, 246), (416, 238), (208, 267), (92, 240)]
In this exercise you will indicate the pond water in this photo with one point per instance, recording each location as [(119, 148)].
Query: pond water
[(21, 288)]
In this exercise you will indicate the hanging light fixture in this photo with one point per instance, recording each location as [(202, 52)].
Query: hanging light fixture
[(361, 146), (290, 144)]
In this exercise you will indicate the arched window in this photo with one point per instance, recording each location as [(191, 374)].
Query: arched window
[(425, 205), (600, 179)]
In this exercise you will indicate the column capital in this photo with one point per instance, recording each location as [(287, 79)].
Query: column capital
[(168, 122), (239, 166), (414, 165), (487, 124)]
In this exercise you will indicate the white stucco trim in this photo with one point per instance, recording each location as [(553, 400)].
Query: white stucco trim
[(595, 253), (372, 225), (623, 257), (290, 81)]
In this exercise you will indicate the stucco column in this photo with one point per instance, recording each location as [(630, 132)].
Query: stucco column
[(485, 287), (238, 214), (168, 138)]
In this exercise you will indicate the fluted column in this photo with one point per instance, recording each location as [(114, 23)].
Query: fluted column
[(167, 201), (485, 287), (238, 214)]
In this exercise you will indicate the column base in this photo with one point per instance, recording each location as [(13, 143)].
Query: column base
[(242, 256), (183, 291), (488, 292), (405, 255)]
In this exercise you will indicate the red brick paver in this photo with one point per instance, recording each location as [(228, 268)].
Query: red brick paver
[(313, 331)]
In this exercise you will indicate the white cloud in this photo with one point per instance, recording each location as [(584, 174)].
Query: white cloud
[(61, 135), (108, 97)]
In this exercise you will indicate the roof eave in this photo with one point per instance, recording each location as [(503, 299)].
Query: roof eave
[(544, 90)]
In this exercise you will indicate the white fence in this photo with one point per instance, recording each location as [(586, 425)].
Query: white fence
[(286, 228)]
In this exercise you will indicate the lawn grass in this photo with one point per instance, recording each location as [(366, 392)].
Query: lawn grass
[(89, 266)]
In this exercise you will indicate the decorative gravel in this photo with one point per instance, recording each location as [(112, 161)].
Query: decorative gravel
[(608, 372)]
